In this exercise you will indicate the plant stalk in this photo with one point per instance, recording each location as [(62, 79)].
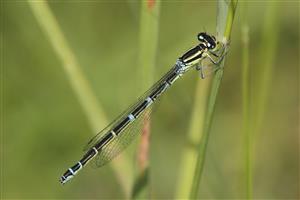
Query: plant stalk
[(78, 82), (226, 12), (148, 39)]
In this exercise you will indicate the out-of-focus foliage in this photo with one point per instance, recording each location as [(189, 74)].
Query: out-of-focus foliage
[(45, 127)]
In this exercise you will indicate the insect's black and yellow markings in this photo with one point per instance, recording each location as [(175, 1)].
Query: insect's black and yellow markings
[(188, 60)]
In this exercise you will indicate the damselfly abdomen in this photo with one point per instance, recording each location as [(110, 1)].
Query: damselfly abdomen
[(117, 135)]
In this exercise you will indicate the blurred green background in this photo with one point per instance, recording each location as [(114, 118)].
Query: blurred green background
[(45, 127)]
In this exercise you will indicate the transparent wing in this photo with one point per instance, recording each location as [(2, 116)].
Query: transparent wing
[(119, 143), (98, 137)]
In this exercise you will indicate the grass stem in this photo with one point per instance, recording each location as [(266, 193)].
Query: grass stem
[(149, 21), (246, 105), (78, 82), (270, 34), (261, 85), (189, 157), (2, 99), (226, 12)]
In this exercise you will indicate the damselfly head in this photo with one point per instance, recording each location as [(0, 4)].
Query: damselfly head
[(209, 40)]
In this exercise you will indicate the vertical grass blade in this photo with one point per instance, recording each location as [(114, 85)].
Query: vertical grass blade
[(148, 38), (261, 83), (2, 99), (226, 12), (246, 103), (189, 156), (263, 76), (78, 82), (149, 21)]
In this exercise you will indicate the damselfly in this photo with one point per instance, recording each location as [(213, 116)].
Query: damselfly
[(116, 136)]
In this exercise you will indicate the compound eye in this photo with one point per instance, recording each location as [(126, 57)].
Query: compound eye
[(201, 37)]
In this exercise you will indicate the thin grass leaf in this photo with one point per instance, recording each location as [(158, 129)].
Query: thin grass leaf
[(140, 184), (263, 76), (149, 19), (148, 38), (79, 83), (261, 84), (246, 103), (226, 12), (2, 98), (189, 156)]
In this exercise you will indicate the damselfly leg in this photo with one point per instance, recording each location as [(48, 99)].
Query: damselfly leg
[(207, 70), (211, 61)]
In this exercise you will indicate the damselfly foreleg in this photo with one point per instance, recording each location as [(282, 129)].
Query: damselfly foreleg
[(219, 54), (214, 58)]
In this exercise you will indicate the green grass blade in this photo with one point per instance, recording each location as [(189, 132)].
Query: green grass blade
[(189, 156), (226, 12), (148, 38), (246, 103), (261, 83), (139, 190), (263, 76), (149, 21), (2, 99), (73, 71), (78, 82)]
